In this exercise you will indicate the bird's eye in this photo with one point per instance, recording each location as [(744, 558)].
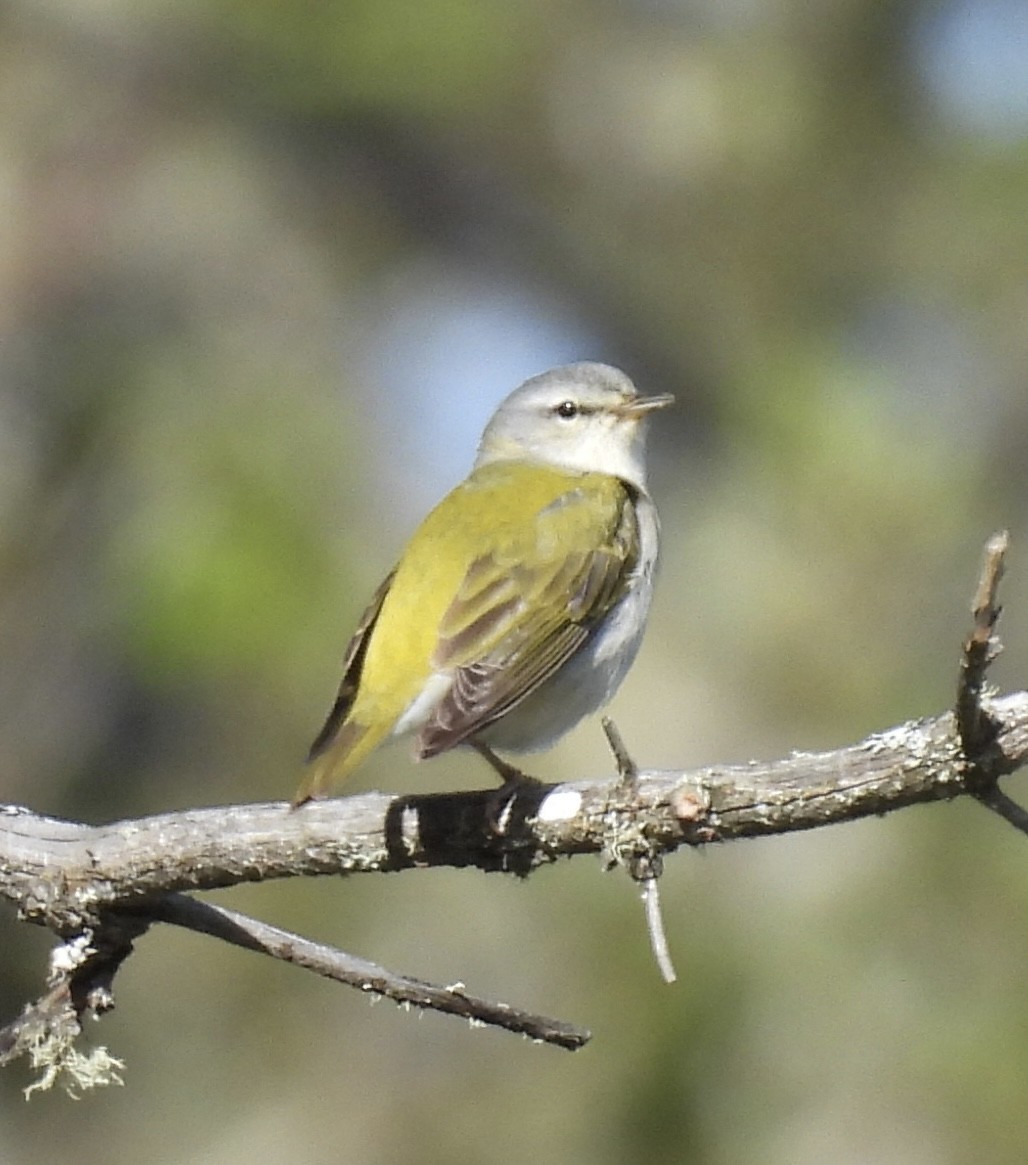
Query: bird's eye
[(566, 410)]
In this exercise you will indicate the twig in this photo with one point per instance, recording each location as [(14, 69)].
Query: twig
[(980, 648), (243, 931), (629, 847), (628, 770), (993, 797), (976, 728), (655, 927)]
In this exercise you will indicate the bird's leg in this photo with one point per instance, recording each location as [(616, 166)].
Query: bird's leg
[(501, 802), (508, 773)]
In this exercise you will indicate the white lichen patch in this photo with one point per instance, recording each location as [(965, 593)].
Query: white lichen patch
[(57, 1060), (904, 737), (70, 955), (560, 805)]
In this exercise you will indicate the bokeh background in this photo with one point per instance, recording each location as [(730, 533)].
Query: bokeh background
[(265, 270)]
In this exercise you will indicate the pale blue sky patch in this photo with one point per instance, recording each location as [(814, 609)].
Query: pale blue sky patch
[(445, 344)]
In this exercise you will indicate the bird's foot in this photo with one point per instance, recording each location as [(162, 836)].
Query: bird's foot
[(500, 806)]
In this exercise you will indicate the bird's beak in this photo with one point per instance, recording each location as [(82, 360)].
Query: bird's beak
[(642, 405)]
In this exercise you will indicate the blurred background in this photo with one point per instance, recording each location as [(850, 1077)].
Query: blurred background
[(265, 271)]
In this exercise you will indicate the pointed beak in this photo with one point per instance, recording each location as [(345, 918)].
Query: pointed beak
[(642, 405)]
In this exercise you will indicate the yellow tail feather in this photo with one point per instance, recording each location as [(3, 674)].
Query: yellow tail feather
[(350, 747)]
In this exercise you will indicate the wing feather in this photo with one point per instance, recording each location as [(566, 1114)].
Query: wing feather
[(353, 662), (511, 625)]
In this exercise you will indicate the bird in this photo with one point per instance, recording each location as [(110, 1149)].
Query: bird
[(519, 603)]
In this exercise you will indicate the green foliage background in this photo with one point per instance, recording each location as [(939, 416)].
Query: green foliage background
[(758, 208)]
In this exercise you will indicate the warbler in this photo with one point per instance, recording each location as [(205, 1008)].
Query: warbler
[(519, 604)]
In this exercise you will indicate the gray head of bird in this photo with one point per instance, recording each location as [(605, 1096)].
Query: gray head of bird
[(583, 417)]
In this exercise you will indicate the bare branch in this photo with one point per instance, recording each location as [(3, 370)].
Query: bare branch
[(79, 879), (100, 887), (375, 981), (64, 875)]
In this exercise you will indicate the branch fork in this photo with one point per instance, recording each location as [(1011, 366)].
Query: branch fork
[(99, 889)]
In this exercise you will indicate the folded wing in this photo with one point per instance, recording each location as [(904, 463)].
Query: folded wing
[(524, 608)]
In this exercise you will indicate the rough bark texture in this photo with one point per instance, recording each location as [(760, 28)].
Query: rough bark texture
[(67, 875)]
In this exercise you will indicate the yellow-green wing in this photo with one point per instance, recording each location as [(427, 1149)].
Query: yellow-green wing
[(524, 608)]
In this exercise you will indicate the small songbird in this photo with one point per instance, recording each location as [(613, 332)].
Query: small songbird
[(519, 604)]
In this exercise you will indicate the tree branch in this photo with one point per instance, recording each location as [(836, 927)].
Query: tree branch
[(65, 875), (376, 981), (102, 886)]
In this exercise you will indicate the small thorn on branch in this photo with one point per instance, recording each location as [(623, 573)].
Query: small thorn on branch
[(980, 648), (628, 770), (975, 727), (985, 609)]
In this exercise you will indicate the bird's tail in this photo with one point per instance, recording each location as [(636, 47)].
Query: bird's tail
[(337, 759)]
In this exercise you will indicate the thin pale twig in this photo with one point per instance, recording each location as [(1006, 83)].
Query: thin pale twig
[(655, 925)]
